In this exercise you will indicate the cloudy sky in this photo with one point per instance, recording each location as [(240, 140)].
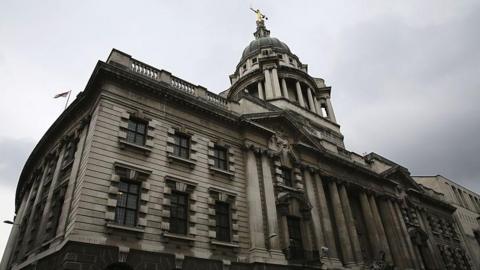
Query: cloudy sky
[(405, 75)]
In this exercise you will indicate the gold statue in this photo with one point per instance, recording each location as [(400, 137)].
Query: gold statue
[(259, 15)]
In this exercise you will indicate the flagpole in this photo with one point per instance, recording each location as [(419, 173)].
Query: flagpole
[(66, 103)]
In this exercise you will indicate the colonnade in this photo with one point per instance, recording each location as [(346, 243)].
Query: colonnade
[(334, 223), (276, 87)]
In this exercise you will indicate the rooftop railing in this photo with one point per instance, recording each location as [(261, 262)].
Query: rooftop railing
[(119, 58)]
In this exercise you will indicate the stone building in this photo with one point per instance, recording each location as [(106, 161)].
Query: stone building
[(145, 170), (467, 214)]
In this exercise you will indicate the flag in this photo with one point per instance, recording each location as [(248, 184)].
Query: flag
[(64, 94)]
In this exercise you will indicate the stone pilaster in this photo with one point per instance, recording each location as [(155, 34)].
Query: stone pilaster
[(257, 236), (299, 94), (345, 245), (352, 230), (391, 233), (380, 229), (277, 92), (408, 263), (260, 90), (63, 220), (271, 210), (285, 89), (311, 103), (268, 85), (373, 237), (331, 114), (406, 236), (318, 107), (326, 220), (317, 225)]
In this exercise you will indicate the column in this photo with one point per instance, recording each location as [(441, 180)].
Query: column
[(352, 230), (392, 236), (380, 229), (47, 209), (268, 85), (276, 84), (260, 90), (299, 94), (13, 237), (38, 196), (257, 237), (406, 236), (370, 224), (310, 100), (331, 114), (271, 210), (318, 107), (345, 245), (284, 88), (325, 219), (400, 237), (67, 203), (317, 226)]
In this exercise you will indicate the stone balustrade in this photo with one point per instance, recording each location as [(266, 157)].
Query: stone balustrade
[(126, 61)]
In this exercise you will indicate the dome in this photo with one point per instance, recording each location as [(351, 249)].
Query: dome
[(263, 42)]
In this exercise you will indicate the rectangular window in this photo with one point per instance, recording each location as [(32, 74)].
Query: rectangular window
[(181, 147), (295, 245), (287, 176), (136, 131), (178, 212), (127, 203), (222, 215), (220, 157), (254, 60)]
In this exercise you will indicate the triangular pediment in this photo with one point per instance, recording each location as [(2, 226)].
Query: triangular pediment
[(286, 127), (402, 177)]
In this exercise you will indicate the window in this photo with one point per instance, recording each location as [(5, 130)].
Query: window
[(181, 146), (222, 215), (254, 60), (127, 203), (287, 176), (295, 245), (136, 131), (220, 158), (178, 212)]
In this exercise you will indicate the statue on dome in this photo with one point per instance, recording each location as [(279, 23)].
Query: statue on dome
[(259, 15)]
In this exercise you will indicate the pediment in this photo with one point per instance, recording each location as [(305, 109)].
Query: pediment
[(402, 177), (287, 129)]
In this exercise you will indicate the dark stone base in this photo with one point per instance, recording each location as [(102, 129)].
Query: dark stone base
[(82, 256)]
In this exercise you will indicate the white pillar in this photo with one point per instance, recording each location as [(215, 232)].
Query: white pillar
[(310, 100), (271, 210), (257, 237), (268, 85), (318, 107), (260, 90), (317, 225), (299, 94), (331, 115), (284, 88), (276, 84)]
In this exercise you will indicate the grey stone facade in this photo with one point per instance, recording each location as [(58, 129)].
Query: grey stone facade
[(467, 214), (147, 171)]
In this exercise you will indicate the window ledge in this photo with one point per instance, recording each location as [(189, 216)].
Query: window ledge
[(125, 228), (182, 160), (178, 236), (288, 187), (224, 244), (220, 171), (145, 149), (66, 165)]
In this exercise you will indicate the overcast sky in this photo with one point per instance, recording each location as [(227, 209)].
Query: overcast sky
[(405, 75)]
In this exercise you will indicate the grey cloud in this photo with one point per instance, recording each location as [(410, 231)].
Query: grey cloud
[(13, 154)]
